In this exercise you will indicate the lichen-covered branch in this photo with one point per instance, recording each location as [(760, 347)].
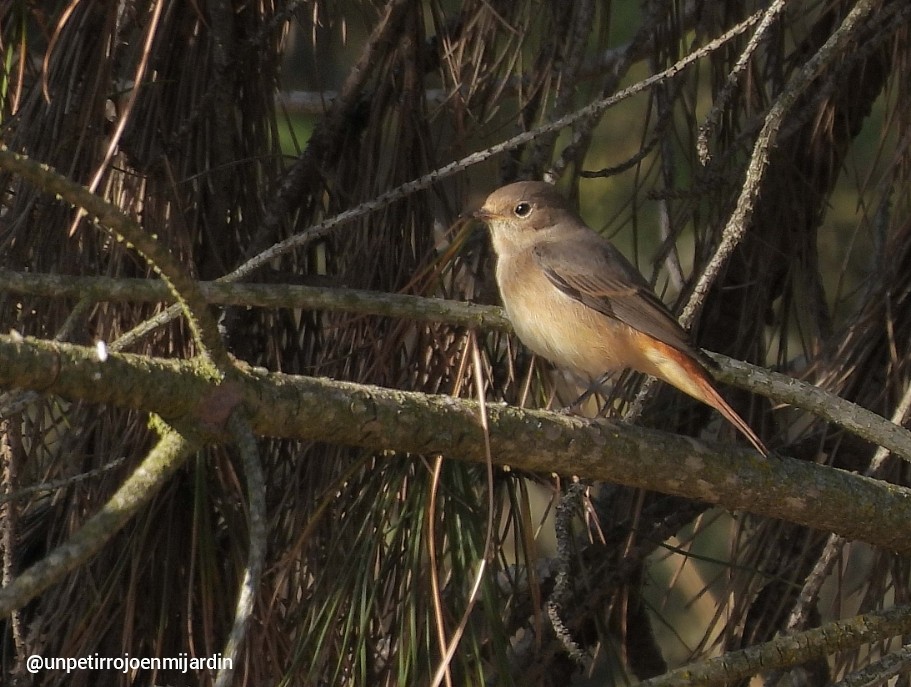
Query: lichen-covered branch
[(381, 419)]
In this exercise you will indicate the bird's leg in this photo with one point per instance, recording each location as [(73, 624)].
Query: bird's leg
[(594, 386)]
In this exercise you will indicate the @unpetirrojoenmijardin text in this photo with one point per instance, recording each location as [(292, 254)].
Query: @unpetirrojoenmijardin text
[(181, 663)]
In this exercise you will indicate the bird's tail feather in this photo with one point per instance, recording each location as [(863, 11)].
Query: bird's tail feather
[(680, 370)]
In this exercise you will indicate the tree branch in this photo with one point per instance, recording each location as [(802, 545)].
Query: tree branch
[(354, 301), (382, 419), (790, 650)]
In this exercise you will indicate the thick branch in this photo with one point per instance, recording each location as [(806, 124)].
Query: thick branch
[(383, 419), (790, 650)]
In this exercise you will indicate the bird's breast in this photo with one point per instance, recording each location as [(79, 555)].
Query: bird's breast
[(558, 327)]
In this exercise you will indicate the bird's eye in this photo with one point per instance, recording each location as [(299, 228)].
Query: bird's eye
[(522, 209)]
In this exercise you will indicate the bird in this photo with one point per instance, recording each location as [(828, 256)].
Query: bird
[(574, 299)]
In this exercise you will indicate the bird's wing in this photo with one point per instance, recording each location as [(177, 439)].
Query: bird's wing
[(599, 277)]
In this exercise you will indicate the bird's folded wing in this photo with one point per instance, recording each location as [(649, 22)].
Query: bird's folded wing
[(601, 278)]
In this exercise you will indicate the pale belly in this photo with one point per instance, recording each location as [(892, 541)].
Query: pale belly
[(572, 336)]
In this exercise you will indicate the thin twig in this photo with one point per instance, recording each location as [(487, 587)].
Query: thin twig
[(582, 130), (566, 512), (325, 227), (724, 96), (58, 484), (278, 296), (736, 227), (11, 455), (258, 536)]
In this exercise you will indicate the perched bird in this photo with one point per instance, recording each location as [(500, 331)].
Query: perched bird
[(575, 300)]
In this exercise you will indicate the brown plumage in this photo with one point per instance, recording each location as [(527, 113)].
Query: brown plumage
[(574, 299)]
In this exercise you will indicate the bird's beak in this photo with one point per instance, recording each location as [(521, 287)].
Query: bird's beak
[(482, 215)]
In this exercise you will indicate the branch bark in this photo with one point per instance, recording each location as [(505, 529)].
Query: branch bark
[(790, 650), (382, 420)]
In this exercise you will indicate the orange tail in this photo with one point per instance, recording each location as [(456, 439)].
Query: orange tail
[(713, 398), (680, 370)]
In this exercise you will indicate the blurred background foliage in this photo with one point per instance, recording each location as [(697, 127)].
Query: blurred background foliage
[(250, 121)]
